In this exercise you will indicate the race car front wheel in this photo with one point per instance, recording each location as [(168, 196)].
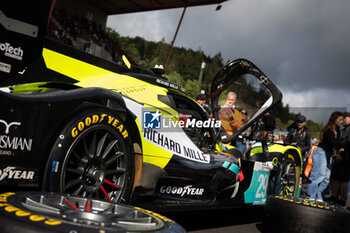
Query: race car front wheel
[(92, 157), (288, 179), (39, 212)]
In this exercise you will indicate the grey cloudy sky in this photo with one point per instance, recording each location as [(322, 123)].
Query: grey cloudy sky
[(302, 45)]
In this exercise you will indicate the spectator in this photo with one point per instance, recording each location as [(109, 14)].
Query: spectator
[(64, 28), (329, 141), (231, 99), (243, 137), (341, 164), (278, 139), (299, 136), (230, 117), (201, 100)]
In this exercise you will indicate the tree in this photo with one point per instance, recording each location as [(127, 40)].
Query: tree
[(176, 78), (192, 88)]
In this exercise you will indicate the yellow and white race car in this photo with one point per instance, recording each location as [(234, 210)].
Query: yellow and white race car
[(77, 124)]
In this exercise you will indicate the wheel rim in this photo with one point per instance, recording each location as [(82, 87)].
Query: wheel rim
[(86, 211), (95, 165), (288, 179)]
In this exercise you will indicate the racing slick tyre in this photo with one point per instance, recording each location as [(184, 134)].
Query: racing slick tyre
[(288, 176), (296, 215), (92, 157), (39, 212)]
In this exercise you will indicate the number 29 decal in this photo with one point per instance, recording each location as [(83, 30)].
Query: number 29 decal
[(256, 193), (262, 189)]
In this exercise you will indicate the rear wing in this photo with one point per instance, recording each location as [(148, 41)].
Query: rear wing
[(22, 30)]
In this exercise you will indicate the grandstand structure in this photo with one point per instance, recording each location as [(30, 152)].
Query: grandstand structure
[(82, 23)]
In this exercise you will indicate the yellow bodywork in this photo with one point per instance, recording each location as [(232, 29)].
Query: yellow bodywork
[(89, 75), (276, 148)]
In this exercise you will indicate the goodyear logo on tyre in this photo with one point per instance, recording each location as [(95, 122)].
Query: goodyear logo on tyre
[(154, 214), (99, 118), (22, 213)]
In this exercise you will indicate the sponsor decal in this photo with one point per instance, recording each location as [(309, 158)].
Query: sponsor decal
[(175, 147), (182, 191), (133, 89), (16, 174), (55, 165), (94, 119), (10, 51), (257, 192), (7, 130), (5, 67), (267, 166), (22, 213), (173, 141), (6, 152), (172, 85), (8, 142)]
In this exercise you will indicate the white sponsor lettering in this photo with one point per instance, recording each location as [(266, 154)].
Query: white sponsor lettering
[(12, 173), (14, 143), (163, 141), (5, 67), (10, 51), (5, 152), (165, 83), (187, 190)]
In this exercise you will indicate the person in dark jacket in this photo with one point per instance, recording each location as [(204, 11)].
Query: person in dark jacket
[(341, 166), (322, 156), (299, 136)]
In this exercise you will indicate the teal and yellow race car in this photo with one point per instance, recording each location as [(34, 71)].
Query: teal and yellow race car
[(77, 124)]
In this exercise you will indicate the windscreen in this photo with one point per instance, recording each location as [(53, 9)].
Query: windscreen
[(242, 101)]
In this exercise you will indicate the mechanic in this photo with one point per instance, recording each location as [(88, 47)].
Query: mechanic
[(322, 155), (230, 117), (341, 166), (299, 136), (201, 100)]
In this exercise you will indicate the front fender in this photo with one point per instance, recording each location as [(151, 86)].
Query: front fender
[(255, 153)]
